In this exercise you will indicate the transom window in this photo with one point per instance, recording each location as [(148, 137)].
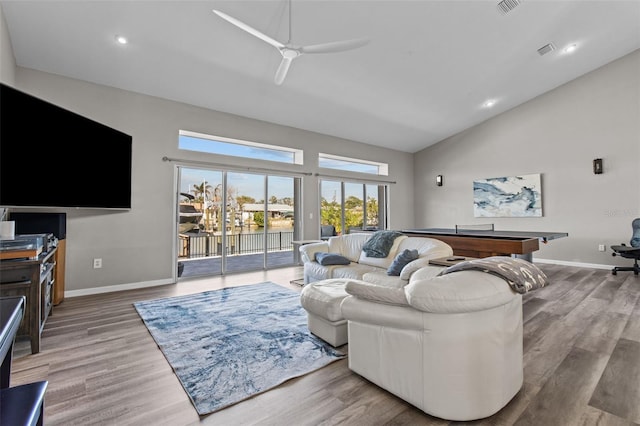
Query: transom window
[(330, 161), (200, 142)]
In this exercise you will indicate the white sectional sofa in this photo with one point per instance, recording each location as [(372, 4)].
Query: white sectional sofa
[(450, 345), (450, 341), (370, 269)]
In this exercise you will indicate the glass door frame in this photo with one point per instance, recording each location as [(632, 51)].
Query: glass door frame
[(224, 212), (341, 185)]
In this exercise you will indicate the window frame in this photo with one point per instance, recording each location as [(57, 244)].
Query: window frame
[(297, 154), (341, 183), (382, 168)]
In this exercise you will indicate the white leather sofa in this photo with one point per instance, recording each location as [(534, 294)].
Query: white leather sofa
[(363, 267), (322, 300), (450, 345)]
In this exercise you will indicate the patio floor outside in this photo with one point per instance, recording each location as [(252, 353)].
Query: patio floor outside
[(204, 266)]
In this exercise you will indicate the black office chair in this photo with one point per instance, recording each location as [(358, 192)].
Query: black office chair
[(629, 252), (327, 231)]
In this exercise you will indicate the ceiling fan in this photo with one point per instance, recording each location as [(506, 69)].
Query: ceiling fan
[(290, 51)]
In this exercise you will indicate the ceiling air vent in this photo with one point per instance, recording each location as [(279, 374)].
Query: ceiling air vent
[(506, 6), (546, 49)]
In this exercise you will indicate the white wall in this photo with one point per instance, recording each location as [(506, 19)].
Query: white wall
[(557, 135), (136, 246), (7, 60)]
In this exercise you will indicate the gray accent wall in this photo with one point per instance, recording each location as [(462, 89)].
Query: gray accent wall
[(558, 135), (137, 245), (7, 61)]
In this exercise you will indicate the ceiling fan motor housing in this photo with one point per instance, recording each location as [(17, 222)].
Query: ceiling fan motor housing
[(289, 53)]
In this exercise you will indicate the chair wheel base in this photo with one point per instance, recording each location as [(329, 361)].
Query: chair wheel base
[(634, 269)]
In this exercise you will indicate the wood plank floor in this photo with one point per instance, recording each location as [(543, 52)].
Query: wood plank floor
[(581, 364)]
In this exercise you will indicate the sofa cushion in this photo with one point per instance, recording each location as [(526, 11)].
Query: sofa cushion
[(323, 298), (350, 245), (331, 259), (313, 271), (316, 272), (413, 266), (428, 248), (382, 262), (308, 251), (354, 271), (376, 293), (427, 272), (380, 277), (401, 260), (464, 291)]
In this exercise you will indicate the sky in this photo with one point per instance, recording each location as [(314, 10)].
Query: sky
[(252, 185), (248, 184)]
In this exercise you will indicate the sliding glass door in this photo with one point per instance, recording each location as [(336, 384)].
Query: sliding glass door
[(246, 226), (281, 224), (198, 222), (247, 221)]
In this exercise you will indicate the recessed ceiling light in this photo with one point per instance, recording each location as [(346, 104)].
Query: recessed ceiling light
[(489, 103), (121, 39), (570, 48)]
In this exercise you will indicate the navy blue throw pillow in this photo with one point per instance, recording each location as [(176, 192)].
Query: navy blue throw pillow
[(331, 259), (401, 261)]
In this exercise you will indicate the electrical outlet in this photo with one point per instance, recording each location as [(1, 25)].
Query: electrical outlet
[(601, 247), (97, 263)]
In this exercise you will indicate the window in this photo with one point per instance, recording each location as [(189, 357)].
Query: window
[(342, 205), (330, 161), (192, 141)]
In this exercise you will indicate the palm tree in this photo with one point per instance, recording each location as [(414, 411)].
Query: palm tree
[(244, 199), (202, 191)]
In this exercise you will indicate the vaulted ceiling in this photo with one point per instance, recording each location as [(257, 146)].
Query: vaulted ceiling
[(424, 75)]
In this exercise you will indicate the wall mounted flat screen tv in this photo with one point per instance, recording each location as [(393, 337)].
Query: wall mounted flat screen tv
[(52, 157)]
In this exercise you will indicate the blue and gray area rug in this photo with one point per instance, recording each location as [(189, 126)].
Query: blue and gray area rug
[(231, 344)]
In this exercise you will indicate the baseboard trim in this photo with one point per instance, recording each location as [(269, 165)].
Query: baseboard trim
[(576, 264), (117, 287), (145, 284)]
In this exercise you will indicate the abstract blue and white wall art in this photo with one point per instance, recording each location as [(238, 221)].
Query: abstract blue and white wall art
[(514, 196)]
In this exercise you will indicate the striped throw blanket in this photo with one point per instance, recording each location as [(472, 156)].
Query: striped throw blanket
[(522, 276)]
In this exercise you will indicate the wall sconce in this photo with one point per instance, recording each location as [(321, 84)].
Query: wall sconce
[(439, 180), (597, 166)]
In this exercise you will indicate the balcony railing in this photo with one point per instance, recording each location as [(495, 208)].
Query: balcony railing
[(206, 245)]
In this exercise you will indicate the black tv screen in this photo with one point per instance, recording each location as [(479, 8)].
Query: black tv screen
[(52, 157)]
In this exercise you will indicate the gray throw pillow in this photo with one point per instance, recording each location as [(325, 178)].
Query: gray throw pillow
[(326, 259), (401, 261)]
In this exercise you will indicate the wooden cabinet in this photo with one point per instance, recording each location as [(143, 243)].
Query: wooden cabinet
[(60, 259), (49, 223), (34, 279)]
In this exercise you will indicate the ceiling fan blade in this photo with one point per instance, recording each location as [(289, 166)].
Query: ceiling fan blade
[(336, 46), (282, 70), (249, 29)]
